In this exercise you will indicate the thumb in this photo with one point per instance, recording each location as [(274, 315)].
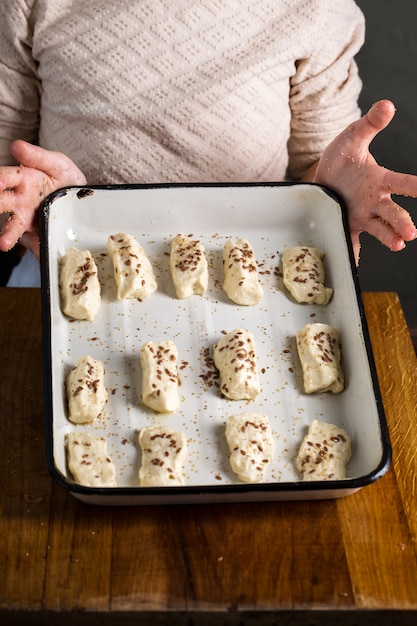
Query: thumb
[(54, 164), (357, 137), (377, 118)]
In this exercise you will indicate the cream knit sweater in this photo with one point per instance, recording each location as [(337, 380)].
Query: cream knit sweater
[(179, 90)]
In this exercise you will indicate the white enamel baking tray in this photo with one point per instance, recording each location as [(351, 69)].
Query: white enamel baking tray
[(272, 217)]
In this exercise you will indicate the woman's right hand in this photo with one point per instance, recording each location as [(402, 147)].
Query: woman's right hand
[(24, 187)]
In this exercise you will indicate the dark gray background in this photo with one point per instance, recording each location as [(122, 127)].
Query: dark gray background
[(388, 66)]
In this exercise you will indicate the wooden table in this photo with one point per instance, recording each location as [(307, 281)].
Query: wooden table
[(346, 561)]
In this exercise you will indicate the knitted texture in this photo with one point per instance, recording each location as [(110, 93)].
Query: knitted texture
[(173, 91)]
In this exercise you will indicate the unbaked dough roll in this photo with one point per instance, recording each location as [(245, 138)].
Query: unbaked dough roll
[(86, 392), (241, 280), (160, 376), (324, 452), (188, 265), (133, 271), (163, 454), (88, 460), (320, 356), (79, 285), (251, 445), (234, 356), (303, 275)]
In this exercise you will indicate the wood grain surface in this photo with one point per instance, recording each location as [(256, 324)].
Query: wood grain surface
[(346, 561)]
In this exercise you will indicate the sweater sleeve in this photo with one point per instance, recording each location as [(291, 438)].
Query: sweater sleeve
[(19, 84), (326, 85)]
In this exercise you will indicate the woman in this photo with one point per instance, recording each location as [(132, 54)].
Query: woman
[(183, 91)]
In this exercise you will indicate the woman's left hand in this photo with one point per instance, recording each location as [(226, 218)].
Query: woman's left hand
[(348, 167)]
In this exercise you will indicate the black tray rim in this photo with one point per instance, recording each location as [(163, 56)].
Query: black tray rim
[(237, 491)]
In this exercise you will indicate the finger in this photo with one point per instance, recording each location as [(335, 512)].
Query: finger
[(367, 127), (7, 202), (380, 114), (10, 177), (55, 164), (356, 138), (376, 119), (31, 241), (400, 184), (385, 234), (35, 157), (356, 245), (11, 232), (397, 218)]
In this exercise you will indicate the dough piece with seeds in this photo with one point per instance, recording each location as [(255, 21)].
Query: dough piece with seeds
[(79, 285), (320, 356), (163, 454), (234, 355), (160, 376), (251, 445), (133, 271), (188, 265), (303, 275), (240, 273), (324, 452), (88, 460), (86, 393)]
